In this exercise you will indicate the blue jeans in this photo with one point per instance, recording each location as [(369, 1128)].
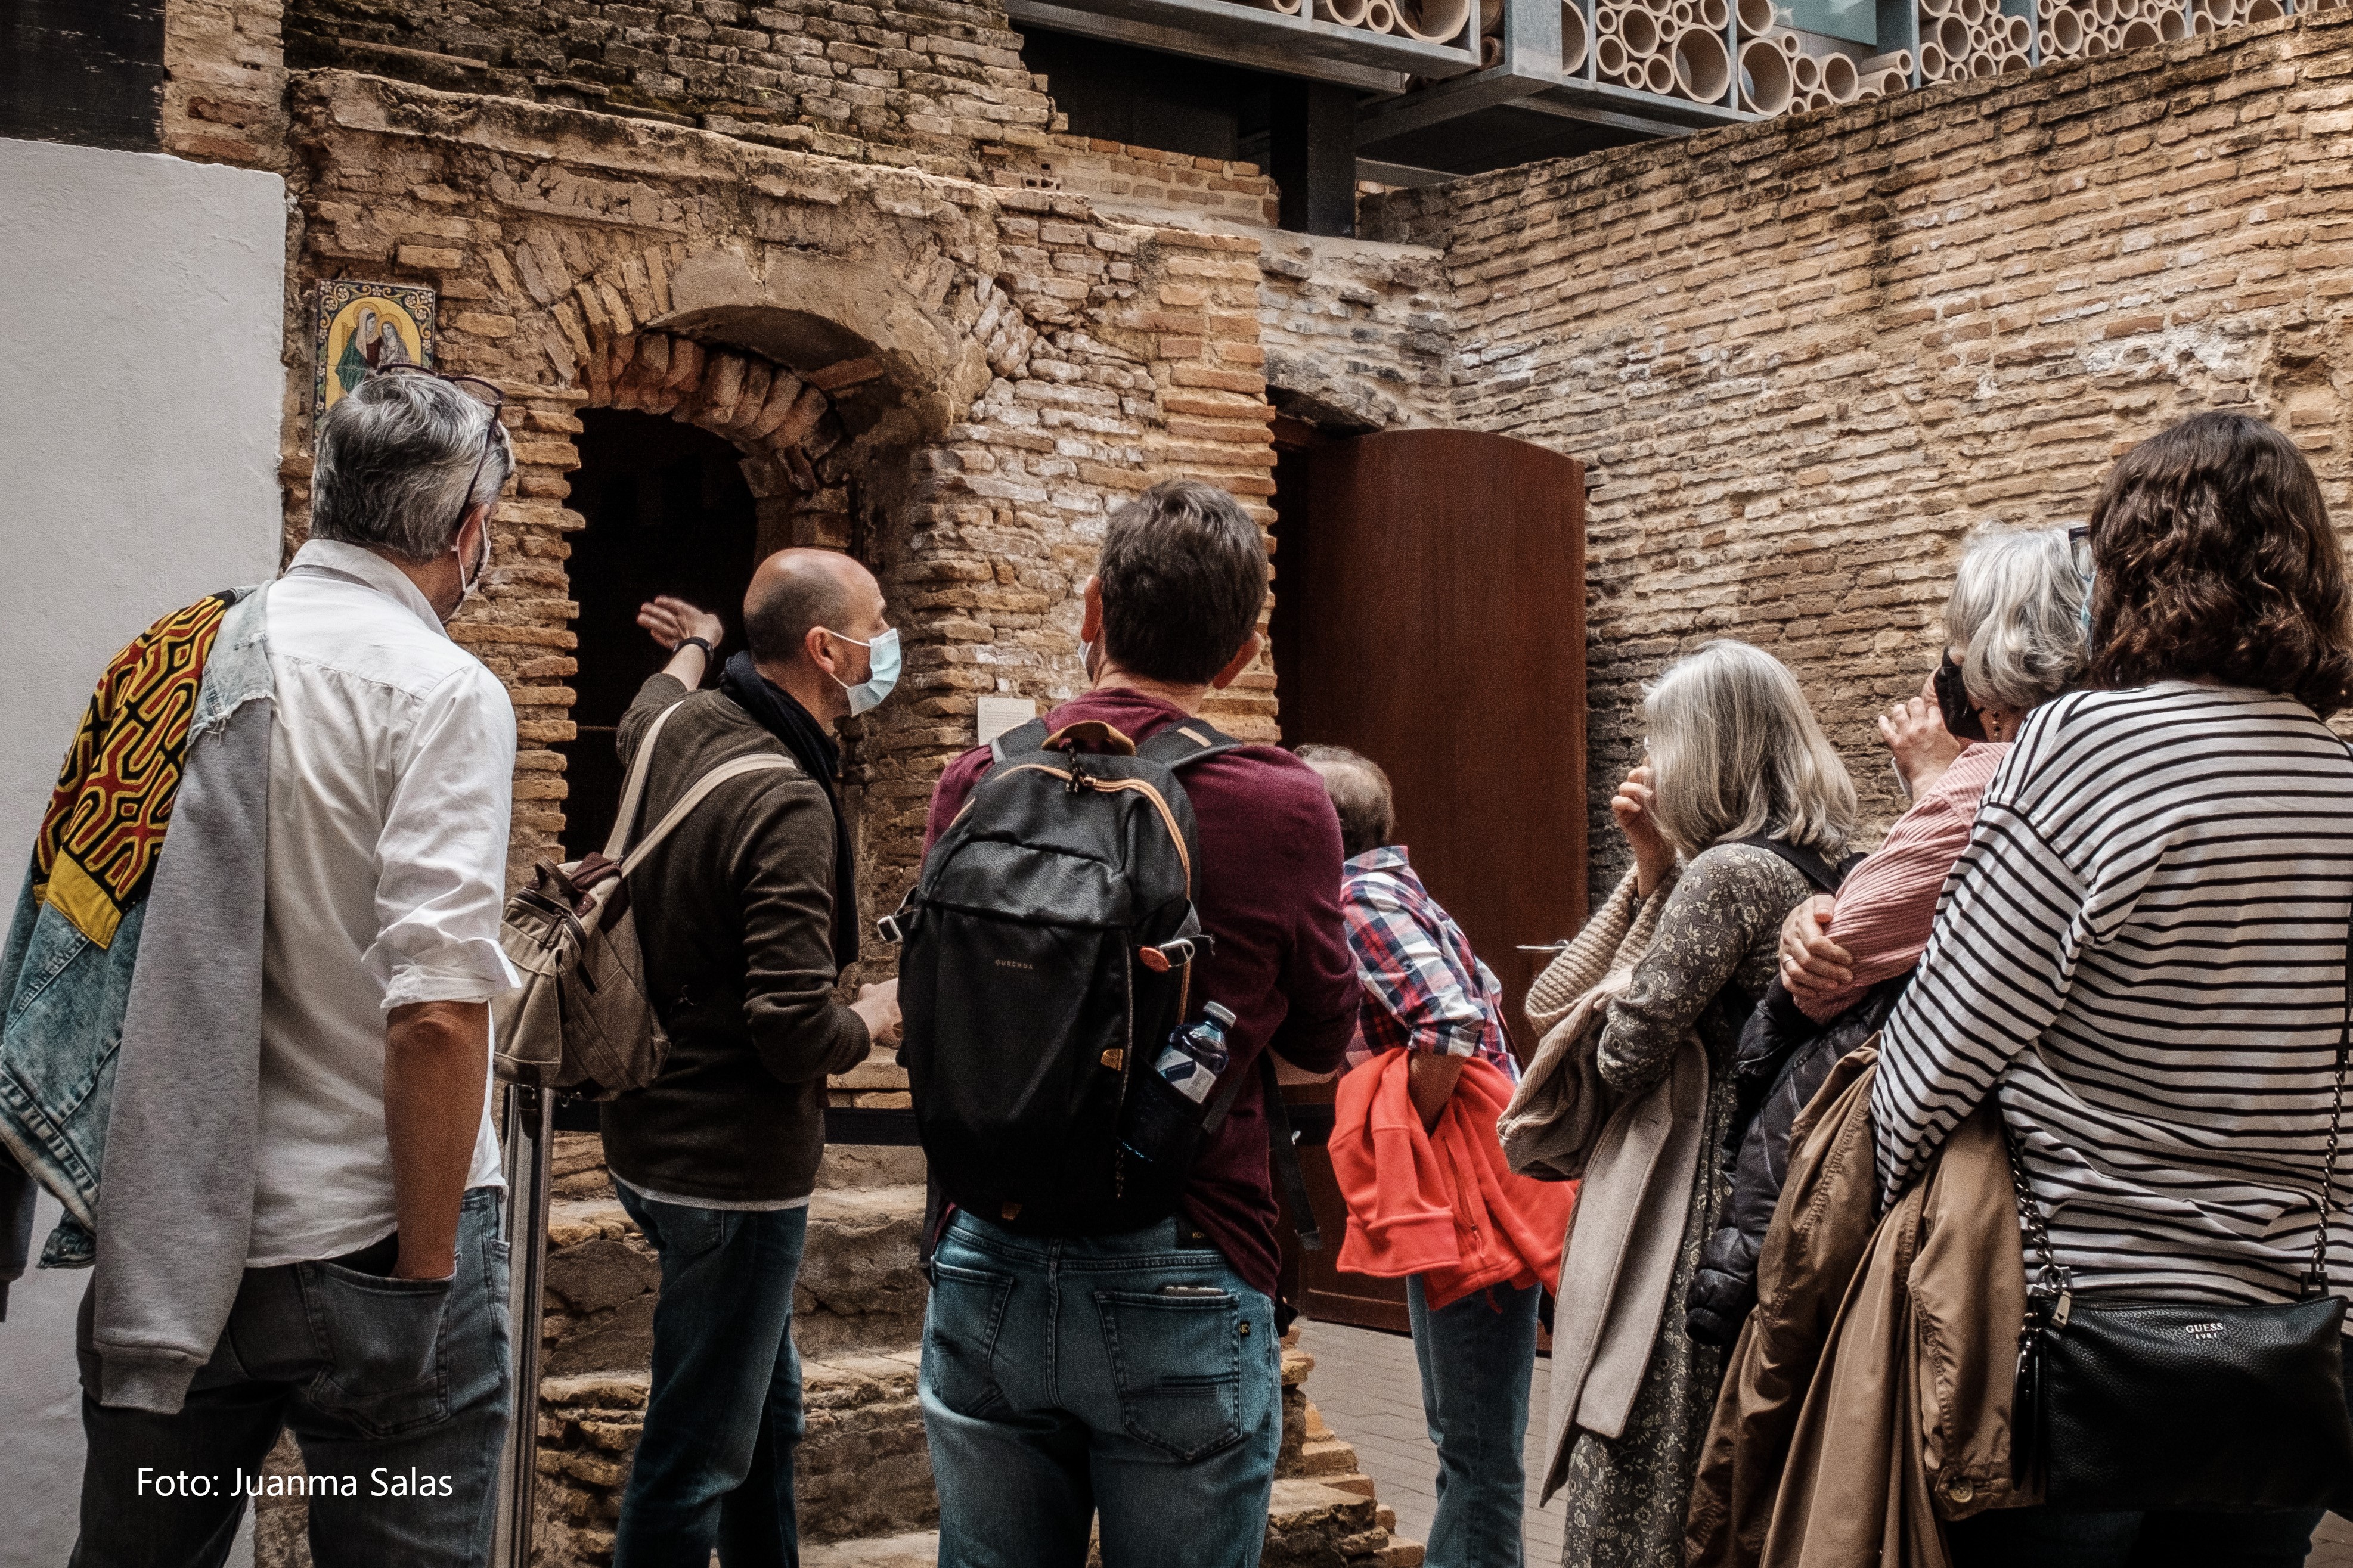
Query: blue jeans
[(714, 1467), (396, 1389), (1476, 1358), (1132, 1375)]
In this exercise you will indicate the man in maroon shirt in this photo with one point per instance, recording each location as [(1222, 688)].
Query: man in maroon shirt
[(1139, 1375)]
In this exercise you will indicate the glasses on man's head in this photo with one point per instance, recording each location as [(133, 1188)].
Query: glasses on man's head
[(481, 391)]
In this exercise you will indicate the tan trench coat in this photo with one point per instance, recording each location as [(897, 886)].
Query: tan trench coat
[(1868, 1398)]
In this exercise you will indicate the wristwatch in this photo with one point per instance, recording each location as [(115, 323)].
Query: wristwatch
[(709, 652)]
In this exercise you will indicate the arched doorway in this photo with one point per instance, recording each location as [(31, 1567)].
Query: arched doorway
[(669, 511)]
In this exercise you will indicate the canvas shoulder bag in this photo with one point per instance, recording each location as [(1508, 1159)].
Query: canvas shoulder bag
[(581, 1023), (2144, 1405)]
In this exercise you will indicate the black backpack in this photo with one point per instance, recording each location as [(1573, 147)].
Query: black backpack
[(1049, 947)]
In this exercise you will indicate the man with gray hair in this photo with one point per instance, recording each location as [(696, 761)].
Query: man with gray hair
[(347, 1178)]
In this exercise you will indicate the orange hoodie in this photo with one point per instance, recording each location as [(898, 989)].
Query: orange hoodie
[(1440, 1203)]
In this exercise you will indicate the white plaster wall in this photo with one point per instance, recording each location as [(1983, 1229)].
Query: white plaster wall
[(142, 311)]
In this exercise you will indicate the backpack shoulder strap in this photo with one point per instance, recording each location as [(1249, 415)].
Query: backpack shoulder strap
[(633, 793), (1182, 745), (1020, 741), (757, 763), (1806, 862)]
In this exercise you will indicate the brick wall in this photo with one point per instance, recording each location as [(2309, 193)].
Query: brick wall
[(1023, 364), (224, 99), (929, 82), (1356, 333), (1807, 356), (1145, 176)]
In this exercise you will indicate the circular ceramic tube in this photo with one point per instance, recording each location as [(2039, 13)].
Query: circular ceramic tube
[(2066, 35), (1787, 44), (1893, 60), (1818, 99), (1938, 8), (2138, 35), (2020, 31), (2266, 11), (1684, 13), (1932, 61), (1640, 29), (1894, 81), (1433, 21), (2172, 27), (1491, 52), (1756, 17), (1573, 39), (1839, 78), (1953, 36), (1805, 75), (1347, 13), (1764, 78), (1380, 17), (1659, 75), (1609, 55), (1703, 66), (2200, 24), (1715, 14)]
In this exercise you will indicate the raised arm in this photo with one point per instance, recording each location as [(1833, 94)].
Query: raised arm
[(2000, 962)]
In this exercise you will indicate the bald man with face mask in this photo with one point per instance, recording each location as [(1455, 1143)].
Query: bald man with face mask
[(748, 914)]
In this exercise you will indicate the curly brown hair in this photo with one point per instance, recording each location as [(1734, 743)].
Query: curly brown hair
[(2216, 560)]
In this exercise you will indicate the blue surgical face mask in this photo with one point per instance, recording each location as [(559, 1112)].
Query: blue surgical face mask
[(868, 693)]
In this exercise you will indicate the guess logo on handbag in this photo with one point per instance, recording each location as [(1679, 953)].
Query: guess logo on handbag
[(2205, 1331)]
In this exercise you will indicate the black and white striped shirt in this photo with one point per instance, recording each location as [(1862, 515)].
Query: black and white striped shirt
[(2143, 949)]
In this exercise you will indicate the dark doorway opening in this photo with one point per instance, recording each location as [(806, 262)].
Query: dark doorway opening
[(668, 512)]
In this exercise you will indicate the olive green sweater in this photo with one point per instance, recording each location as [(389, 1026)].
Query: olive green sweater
[(735, 910)]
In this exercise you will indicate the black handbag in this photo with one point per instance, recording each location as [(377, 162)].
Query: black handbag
[(2139, 1405)]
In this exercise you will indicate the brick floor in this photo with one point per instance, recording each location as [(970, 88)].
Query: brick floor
[(1370, 1392)]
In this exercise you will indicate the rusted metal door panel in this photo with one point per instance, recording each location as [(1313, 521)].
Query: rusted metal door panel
[(1429, 612)]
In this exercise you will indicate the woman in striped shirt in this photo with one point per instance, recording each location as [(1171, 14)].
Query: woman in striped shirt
[(2141, 953)]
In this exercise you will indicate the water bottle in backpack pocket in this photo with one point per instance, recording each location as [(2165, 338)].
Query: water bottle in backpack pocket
[(1160, 1127)]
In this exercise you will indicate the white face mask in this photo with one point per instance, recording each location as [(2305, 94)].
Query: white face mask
[(467, 585), (868, 693)]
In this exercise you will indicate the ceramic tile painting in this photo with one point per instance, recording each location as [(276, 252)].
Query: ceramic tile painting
[(363, 326)]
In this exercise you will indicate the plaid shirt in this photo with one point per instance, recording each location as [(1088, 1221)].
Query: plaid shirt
[(1424, 988)]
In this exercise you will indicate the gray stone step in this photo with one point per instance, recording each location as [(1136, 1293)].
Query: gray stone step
[(862, 1471), (859, 1290)]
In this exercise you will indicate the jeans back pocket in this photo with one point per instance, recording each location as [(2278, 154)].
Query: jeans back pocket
[(382, 1340), (961, 1324), (1176, 1360)]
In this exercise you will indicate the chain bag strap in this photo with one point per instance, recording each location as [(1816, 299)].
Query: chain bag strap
[(2123, 1404)]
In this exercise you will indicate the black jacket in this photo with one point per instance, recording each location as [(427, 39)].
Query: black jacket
[(735, 913), (1784, 1058)]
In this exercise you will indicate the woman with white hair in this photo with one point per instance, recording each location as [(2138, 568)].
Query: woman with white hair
[(1739, 792), (2014, 639)]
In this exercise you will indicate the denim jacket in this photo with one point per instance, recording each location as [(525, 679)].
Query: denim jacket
[(62, 999)]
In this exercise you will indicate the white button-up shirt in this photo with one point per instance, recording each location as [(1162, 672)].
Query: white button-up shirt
[(391, 774)]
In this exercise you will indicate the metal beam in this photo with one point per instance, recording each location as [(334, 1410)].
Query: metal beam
[(1446, 100), (1286, 59), (1382, 174), (1300, 34), (1623, 109)]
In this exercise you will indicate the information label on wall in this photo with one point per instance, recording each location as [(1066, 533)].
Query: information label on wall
[(998, 714)]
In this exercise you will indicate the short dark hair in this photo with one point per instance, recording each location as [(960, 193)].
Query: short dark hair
[(1183, 577), (775, 627), (1360, 796), (2214, 559)]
